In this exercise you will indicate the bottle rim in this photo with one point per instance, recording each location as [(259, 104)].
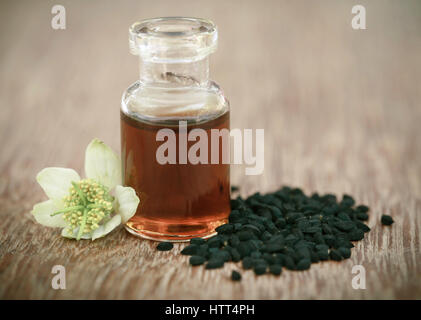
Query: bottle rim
[(173, 39)]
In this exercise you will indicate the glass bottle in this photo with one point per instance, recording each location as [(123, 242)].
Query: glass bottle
[(182, 200)]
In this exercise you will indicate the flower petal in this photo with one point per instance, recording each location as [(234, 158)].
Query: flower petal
[(102, 164), (127, 202), (65, 233), (42, 212), (56, 181), (107, 227)]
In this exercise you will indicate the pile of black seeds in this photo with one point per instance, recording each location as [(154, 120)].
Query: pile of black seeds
[(283, 229)]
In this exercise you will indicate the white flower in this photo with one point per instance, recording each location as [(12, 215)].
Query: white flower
[(88, 208)]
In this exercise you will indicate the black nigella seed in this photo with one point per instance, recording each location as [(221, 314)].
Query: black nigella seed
[(330, 239), (330, 210), (314, 257), (214, 242), (259, 225), (345, 225), (303, 252), (321, 247), (279, 238), (292, 216), (362, 208), (164, 246), (235, 255), (252, 228), (303, 264), (190, 250), (311, 230), (345, 252), (260, 262), (245, 235), (289, 263), (202, 250), (265, 213), (269, 258), (225, 229), (279, 259), (362, 216), (197, 260), (274, 247), (386, 220), (326, 229), (234, 241), (347, 201), (221, 254), (318, 238), (256, 254), (260, 269), (280, 223), (323, 254), (266, 236), (343, 216), (248, 263), (244, 249), (276, 212), (362, 226), (343, 243), (291, 238), (275, 269), (213, 250), (335, 255), (234, 216), (356, 235), (215, 263), (235, 275), (270, 226), (197, 241), (255, 245)]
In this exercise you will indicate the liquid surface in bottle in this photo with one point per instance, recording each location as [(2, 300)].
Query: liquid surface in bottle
[(177, 201)]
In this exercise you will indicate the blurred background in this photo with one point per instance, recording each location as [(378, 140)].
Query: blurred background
[(340, 108), (296, 69)]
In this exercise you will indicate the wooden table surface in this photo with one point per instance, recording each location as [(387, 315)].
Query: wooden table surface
[(340, 108)]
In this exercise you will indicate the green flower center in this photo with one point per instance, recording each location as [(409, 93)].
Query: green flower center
[(87, 204)]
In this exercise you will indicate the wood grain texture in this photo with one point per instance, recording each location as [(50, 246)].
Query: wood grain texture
[(340, 108)]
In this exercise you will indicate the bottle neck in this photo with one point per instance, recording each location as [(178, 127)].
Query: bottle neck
[(174, 74)]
